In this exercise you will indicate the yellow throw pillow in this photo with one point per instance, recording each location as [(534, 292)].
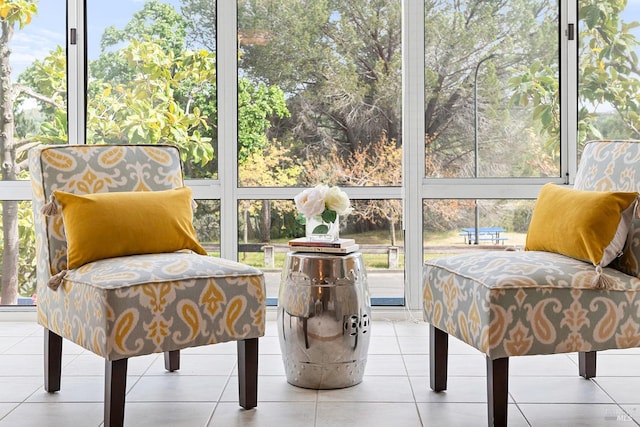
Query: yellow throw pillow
[(108, 225), (585, 225)]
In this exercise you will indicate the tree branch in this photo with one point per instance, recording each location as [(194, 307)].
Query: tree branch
[(19, 89)]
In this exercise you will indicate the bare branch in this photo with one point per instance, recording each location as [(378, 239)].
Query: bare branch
[(19, 89)]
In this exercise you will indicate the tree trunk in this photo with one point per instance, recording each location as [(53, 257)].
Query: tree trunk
[(265, 226), (392, 230), (245, 234), (9, 293)]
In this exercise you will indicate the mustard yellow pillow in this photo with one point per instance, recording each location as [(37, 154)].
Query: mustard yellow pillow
[(107, 225), (585, 225)]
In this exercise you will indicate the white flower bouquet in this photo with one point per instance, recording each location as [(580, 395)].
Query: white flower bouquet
[(323, 204)]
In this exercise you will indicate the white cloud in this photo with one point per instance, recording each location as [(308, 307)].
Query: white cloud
[(27, 46)]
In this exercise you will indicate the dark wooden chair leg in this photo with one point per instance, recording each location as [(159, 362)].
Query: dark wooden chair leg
[(172, 360), (115, 388), (587, 364), (248, 372), (438, 352), (52, 361), (498, 391)]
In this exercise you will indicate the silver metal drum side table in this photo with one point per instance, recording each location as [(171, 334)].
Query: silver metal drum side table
[(324, 312)]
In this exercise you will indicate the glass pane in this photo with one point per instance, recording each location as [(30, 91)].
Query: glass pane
[(609, 80), (319, 95), (206, 221), (266, 226), (35, 92), (491, 88), (152, 77), (37, 60), (18, 266), (450, 225)]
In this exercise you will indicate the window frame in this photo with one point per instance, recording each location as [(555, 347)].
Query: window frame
[(419, 188), (416, 186)]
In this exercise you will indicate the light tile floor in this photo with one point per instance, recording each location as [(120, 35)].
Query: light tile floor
[(544, 390)]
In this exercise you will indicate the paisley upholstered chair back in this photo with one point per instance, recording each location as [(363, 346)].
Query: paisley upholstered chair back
[(614, 166), (81, 169)]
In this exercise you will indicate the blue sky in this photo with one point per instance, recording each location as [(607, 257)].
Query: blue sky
[(48, 27), (47, 30)]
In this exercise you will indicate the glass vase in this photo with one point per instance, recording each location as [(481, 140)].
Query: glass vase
[(318, 230)]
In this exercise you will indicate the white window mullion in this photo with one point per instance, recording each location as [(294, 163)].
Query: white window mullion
[(288, 193), (569, 90), (227, 82), (76, 75), (413, 147)]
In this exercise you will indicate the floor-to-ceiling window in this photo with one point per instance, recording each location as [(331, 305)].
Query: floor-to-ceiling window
[(326, 78), (492, 120), (152, 80), (436, 117), (32, 111), (483, 131)]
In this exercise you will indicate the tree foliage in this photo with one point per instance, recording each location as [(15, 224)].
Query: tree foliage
[(608, 72), (157, 21), (338, 62), (376, 165), (269, 167), (201, 23), (473, 46), (340, 65), (17, 12), (257, 105)]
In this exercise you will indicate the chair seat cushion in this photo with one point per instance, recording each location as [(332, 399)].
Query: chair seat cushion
[(511, 303), (154, 303)]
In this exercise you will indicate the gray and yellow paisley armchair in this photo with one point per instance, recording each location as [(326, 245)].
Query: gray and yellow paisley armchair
[(546, 301), (120, 272)]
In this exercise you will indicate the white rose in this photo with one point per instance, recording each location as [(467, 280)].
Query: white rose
[(337, 200), (310, 202)]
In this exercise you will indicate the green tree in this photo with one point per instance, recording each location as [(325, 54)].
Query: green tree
[(45, 83), (366, 167), (141, 110), (157, 21), (179, 102), (271, 166), (474, 45), (608, 72), (608, 67), (201, 23), (257, 104), (164, 96), (146, 108), (339, 64)]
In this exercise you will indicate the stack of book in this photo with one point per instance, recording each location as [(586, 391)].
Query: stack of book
[(338, 246)]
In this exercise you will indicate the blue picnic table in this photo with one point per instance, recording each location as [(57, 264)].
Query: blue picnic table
[(486, 234)]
